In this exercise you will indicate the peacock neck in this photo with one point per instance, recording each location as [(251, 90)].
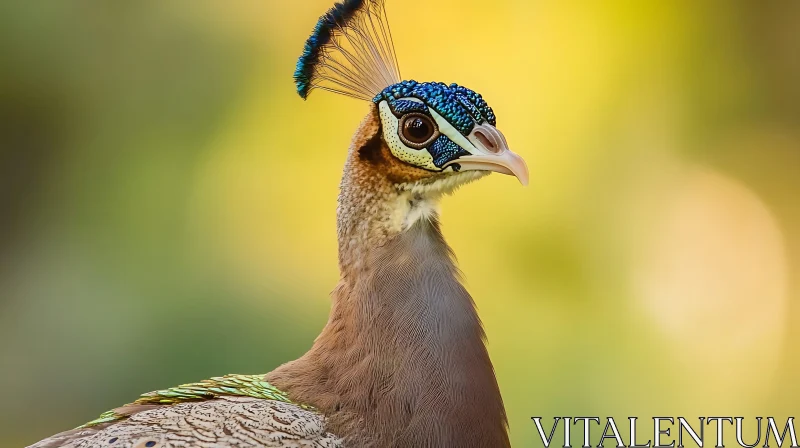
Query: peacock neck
[(402, 360)]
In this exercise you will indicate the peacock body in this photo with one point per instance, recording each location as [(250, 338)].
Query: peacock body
[(402, 360)]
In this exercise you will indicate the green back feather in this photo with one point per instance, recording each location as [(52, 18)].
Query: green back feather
[(230, 385)]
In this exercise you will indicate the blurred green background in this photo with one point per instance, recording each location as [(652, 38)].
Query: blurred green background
[(167, 202)]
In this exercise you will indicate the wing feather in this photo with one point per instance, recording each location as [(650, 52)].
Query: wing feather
[(232, 411), (223, 422)]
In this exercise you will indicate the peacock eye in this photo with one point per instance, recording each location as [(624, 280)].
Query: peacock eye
[(417, 130)]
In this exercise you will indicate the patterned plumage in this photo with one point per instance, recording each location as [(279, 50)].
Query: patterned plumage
[(402, 360), (228, 421), (229, 411)]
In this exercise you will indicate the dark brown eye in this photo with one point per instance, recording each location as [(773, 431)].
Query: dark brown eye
[(417, 130)]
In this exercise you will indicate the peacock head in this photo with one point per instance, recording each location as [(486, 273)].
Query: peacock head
[(443, 128), (433, 128)]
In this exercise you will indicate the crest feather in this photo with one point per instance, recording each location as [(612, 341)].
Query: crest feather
[(350, 52)]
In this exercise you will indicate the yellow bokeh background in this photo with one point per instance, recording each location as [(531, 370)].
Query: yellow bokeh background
[(167, 202)]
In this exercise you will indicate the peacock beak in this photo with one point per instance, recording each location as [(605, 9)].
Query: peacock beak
[(492, 154)]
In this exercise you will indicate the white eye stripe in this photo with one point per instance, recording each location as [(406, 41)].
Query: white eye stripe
[(452, 133)]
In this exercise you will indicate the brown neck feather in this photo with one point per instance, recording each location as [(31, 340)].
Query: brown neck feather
[(402, 361)]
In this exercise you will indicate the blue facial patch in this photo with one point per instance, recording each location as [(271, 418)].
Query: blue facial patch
[(444, 150), (460, 106)]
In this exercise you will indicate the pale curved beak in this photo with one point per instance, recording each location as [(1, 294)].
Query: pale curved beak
[(492, 154)]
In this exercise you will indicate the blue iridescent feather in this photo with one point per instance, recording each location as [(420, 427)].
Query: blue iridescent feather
[(402, 107), (444, 150), (459, 105)]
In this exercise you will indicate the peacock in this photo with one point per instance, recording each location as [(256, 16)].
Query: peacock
[(402, 360)]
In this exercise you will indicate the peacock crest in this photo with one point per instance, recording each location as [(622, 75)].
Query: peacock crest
[(350, 52)]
